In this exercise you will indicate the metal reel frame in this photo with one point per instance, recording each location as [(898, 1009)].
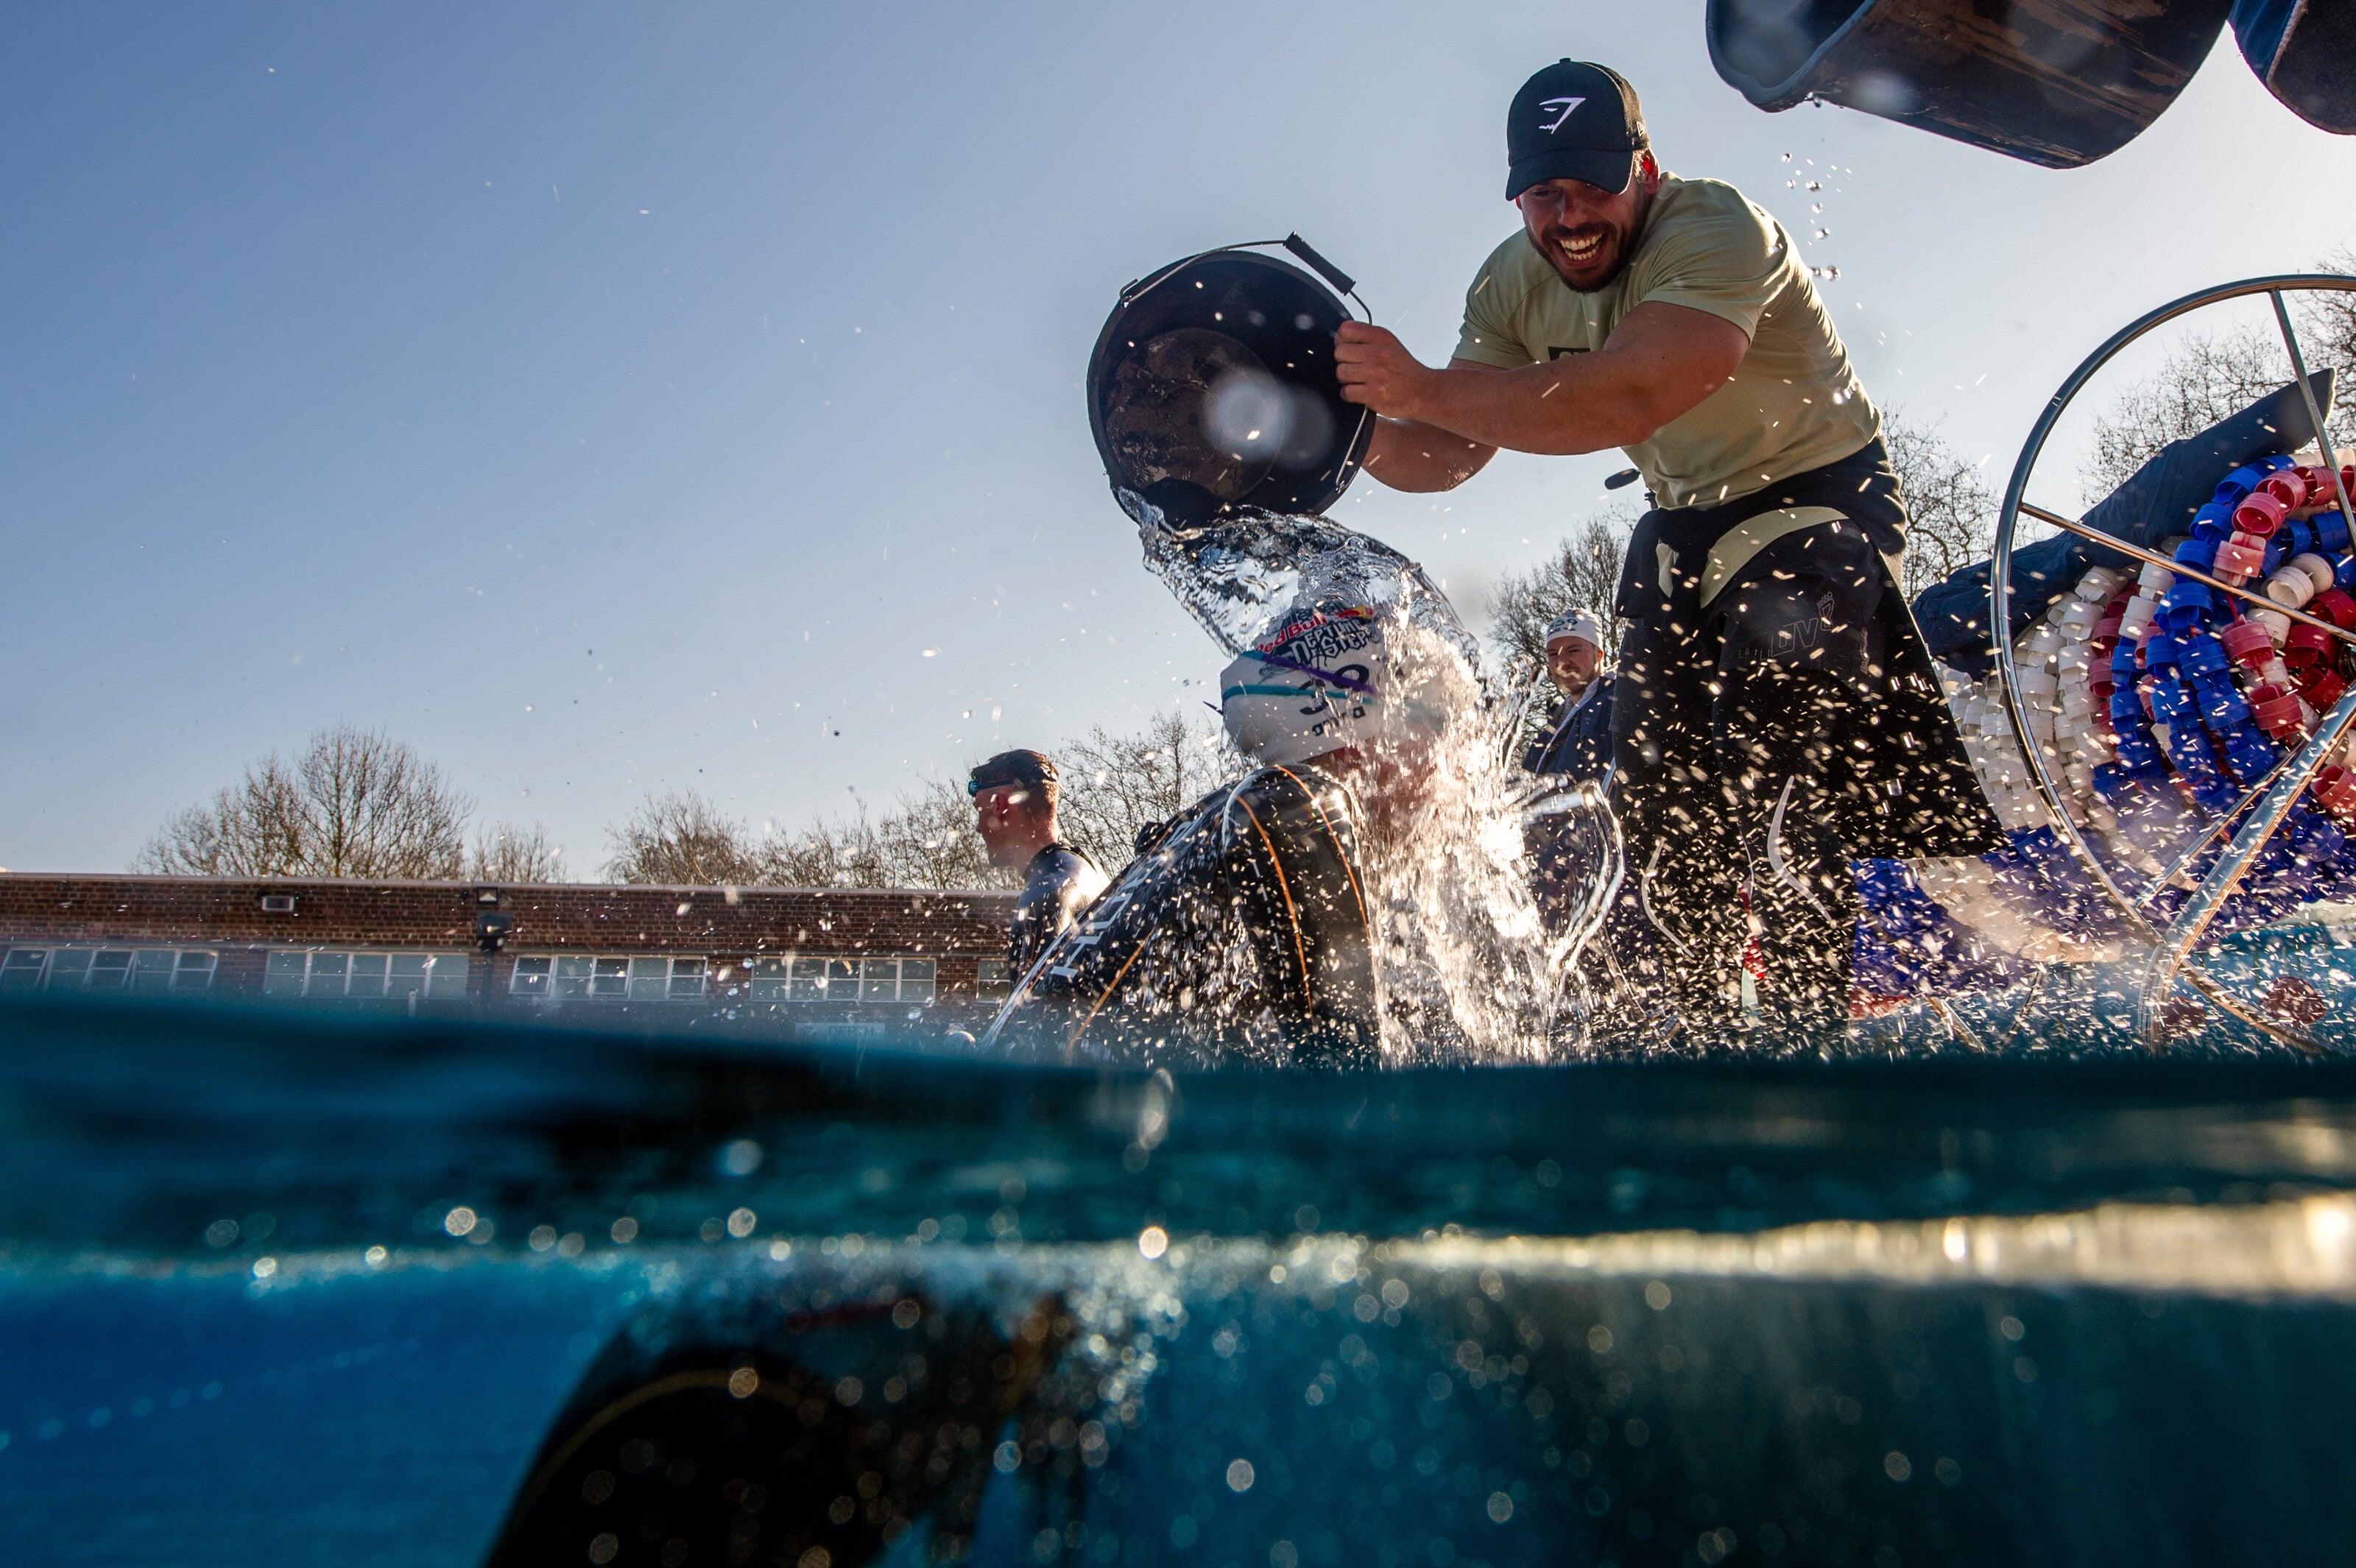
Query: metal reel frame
[(2261, 809)]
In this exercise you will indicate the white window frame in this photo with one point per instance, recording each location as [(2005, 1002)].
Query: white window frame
[(768, 976), (919, 979), (993, 979), (610, 976), (144, 970), (382, 975), (840, 977)]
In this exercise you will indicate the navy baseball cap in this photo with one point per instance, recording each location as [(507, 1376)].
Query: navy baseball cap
[(1574, 121)]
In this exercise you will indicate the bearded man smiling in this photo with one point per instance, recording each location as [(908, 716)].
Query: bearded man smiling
[(1776, 715)]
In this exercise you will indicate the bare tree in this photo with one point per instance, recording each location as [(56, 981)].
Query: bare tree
[(506, 853), (354, 802), (927, 841), (2327, 325), (1950, 507), (1113, 785), (2209, 377), (830, 854), (931, 842), (1583, 574), (683, 840), (2206, 378)]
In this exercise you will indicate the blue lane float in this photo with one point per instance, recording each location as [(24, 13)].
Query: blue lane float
[(2160, 703)]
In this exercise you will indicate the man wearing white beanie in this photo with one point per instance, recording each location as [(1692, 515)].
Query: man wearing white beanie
[(1578, 745)]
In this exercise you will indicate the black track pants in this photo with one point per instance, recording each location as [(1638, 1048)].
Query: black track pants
[(1729, 711)]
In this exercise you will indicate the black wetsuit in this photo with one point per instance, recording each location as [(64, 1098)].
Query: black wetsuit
[(1057, 885), (1775, 716), (1242, 929)]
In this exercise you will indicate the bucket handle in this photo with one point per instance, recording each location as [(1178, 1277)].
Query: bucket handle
[(1342, 283)]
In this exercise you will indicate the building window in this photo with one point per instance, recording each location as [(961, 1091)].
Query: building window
[(22, 969), (895, 979), (666, 979), (373, 976), (572, 976), (916, 979), (771, 979), (825, 979), (991, 980), (146, 969), (812, 979)]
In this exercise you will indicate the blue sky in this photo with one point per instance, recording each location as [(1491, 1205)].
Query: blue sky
[(607, 401)]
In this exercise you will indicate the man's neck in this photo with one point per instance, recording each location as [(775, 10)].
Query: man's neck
[(1033, 843)]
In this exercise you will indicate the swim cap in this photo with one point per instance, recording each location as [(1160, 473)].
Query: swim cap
[(1034, 770), (1330, 681)]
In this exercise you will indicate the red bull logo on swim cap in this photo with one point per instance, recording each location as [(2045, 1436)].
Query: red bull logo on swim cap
[(1322, 637)]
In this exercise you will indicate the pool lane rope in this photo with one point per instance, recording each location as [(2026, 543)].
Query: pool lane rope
[(2130, 685)]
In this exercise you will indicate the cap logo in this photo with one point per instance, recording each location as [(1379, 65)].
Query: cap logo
[(1568, 107)]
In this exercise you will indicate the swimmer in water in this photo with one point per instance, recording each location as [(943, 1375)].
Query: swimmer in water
[(1244, 927)]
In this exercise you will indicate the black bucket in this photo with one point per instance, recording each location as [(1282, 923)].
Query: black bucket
[(1212, 390), (2303, 49), (2059, 84)]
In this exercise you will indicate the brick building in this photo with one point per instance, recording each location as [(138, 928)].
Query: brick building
[(845, 964)]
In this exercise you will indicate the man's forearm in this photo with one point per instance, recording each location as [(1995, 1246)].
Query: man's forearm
[(1409, 455), (1661, 362), (1564, 408)]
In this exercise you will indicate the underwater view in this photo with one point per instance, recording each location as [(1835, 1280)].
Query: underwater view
[(689, 885), (391, 1293)]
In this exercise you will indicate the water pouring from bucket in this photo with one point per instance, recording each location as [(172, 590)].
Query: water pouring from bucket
[(1352, 684)]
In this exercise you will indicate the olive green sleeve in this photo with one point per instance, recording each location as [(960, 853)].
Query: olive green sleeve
[(1718, 254), (1491, 334)]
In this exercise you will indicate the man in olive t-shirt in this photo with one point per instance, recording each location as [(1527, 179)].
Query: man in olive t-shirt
[(1775, 715), (1792, 403)]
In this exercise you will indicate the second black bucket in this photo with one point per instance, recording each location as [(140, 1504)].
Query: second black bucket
[(2059, 82), (1212, 390)]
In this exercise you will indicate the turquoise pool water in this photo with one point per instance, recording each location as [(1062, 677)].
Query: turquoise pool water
[(376, 1293)]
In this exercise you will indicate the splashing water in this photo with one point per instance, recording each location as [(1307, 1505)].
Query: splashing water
[(1468, 967), (1242, 577)]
